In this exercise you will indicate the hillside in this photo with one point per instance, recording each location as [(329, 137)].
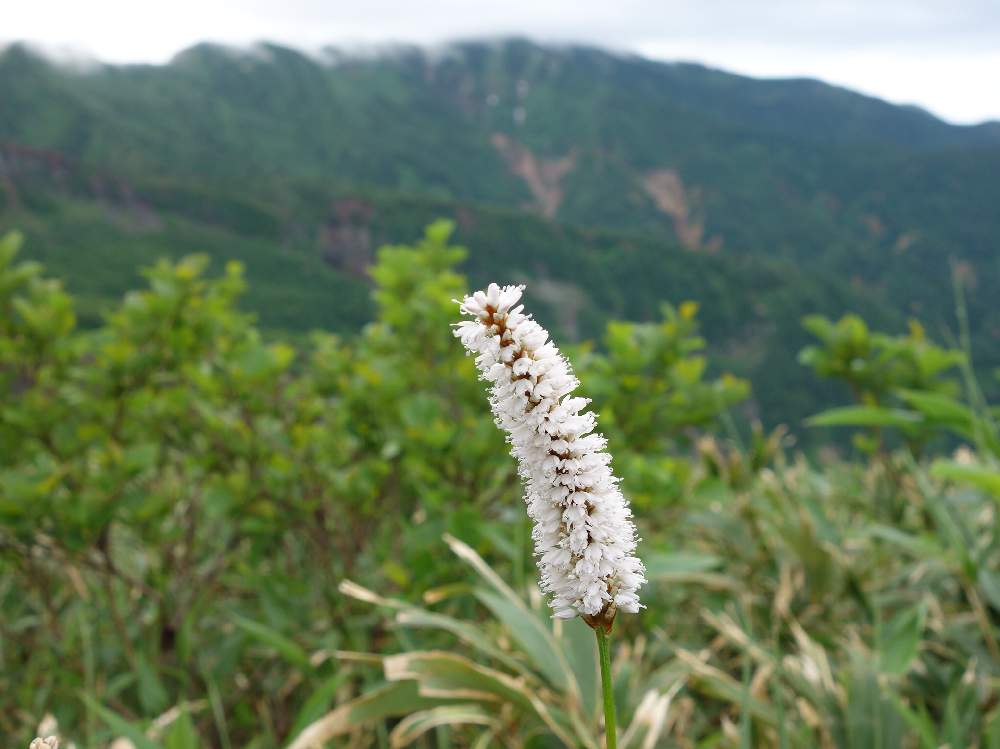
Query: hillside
[(615, 181)]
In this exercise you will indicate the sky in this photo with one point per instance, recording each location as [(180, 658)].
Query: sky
[(941, 55)]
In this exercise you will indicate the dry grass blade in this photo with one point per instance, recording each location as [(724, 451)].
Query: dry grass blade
[(466, 553), (397, 698), (722, 685), (353, 590), (416, 725), (526, 627), (448, 676), (651, 716)]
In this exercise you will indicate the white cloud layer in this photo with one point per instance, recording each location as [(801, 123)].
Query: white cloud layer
[(943, 56)]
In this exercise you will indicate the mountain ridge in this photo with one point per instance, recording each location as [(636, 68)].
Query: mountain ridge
[(331, 55), (297, 116)]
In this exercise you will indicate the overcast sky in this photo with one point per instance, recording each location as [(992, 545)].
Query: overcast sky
[(942, 55)]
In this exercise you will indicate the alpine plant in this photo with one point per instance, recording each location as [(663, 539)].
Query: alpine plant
[(583, 534)]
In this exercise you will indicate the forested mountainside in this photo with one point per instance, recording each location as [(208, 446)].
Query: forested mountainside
[(609, 182)]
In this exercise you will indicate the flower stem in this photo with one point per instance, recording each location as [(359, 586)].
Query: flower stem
[(609, 697)]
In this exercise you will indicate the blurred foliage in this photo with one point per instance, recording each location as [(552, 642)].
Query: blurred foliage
[(204, 488), (649, 385), (194, 517), (907, 384), (541, 671), (650, 392), (792, 615), (885, 372), (874, 365)]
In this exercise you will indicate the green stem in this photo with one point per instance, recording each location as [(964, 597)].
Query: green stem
[(609, 697)]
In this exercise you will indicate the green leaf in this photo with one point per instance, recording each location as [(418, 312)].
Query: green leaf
[(952, 414), (580, 646), (865, 416), (937, 406), (533, 637), (152, 694), (899, 639), (318, 703), (919, 722), (10, 244), (524, 624), (920, 547), (871, 719), (465, 631), (182, 734), (119, 725), (680, 563), (979, 476), (992, 737), (289, 650), (141, 457), (989, 583)]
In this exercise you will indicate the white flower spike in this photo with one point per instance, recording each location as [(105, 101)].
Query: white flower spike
[(584, 535)]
